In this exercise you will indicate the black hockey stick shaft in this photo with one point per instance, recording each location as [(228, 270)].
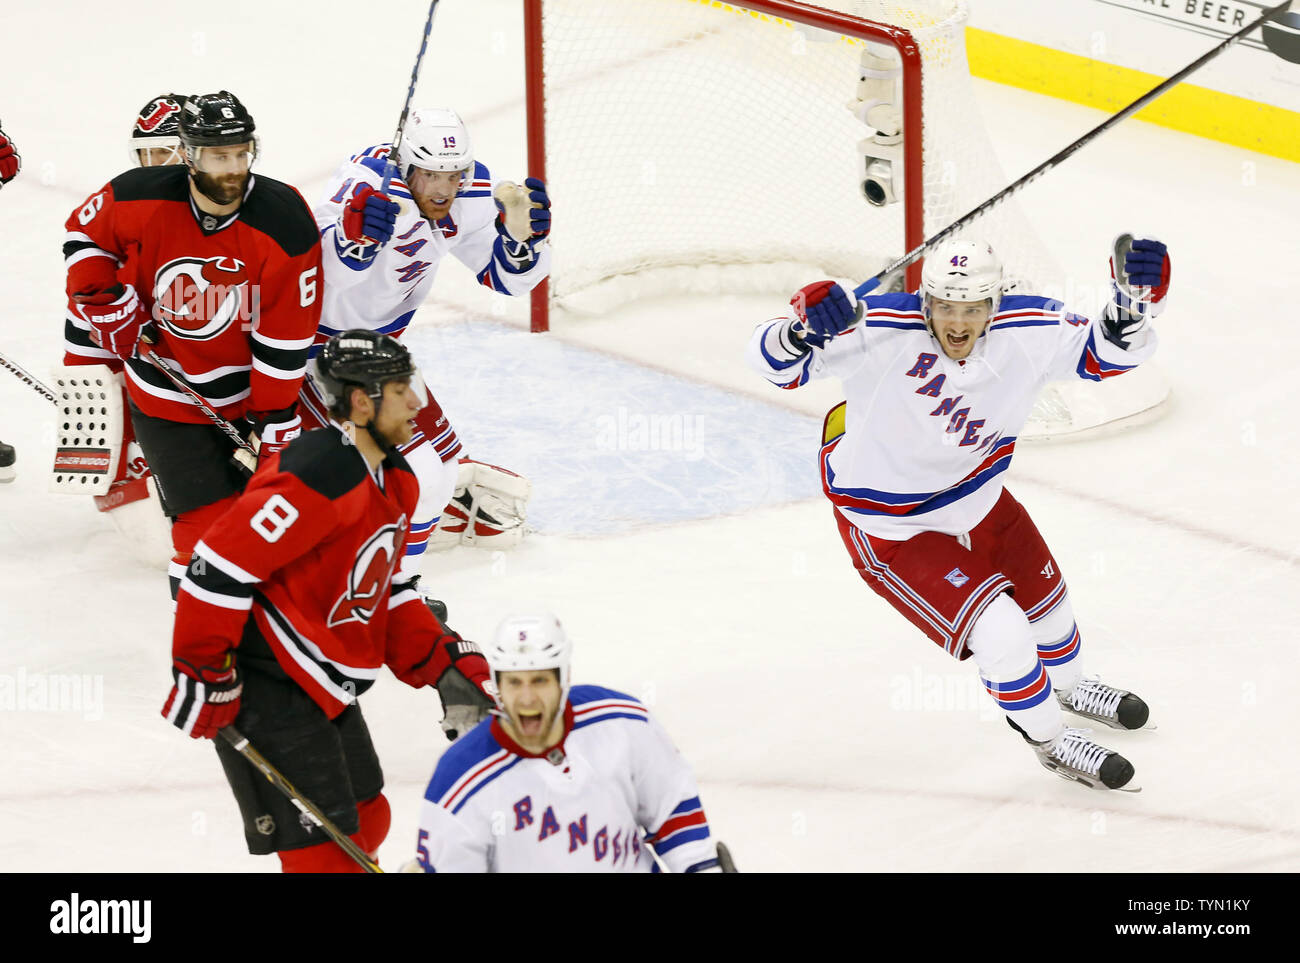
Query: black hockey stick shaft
[(410, 95), (305, 806), (1058, 158), (245, 454), (415, 75), (29, 379)]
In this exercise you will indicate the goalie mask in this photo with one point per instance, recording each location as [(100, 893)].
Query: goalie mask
[(435, 139), (155, 136)]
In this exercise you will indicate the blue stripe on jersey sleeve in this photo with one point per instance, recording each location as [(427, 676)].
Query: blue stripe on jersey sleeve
[(470, 750), (897, 301), (684, 836), (582, 694), (687, 806), (1028, 302)]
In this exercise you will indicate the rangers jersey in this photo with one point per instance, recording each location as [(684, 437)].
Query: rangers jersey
[(926, 439), (380, 286), (234, 298), (309, 550), (616, 789)]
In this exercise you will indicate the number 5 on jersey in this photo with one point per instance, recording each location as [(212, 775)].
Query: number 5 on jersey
[(274, 518)]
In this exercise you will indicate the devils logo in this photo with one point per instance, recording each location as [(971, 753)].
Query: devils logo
[(156, 113), (198, 298), (370, 577)]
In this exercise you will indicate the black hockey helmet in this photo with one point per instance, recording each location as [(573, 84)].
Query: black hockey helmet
[(362, 358), (215, 120)]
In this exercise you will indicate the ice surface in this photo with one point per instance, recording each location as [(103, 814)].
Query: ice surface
[(705, 576)]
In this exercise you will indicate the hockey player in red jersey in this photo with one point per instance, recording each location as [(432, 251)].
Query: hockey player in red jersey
[(289, 608), (227, 266)]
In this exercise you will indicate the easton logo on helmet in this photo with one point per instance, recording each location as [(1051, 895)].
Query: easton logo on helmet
[(198, 298)]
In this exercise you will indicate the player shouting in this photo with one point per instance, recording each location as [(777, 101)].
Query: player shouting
[(563, 780), (938, 385), (227, 265), (289, 609), (382, 246)]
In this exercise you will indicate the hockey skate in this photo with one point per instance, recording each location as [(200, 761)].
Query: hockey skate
[(1112, 707), (1072, 755)]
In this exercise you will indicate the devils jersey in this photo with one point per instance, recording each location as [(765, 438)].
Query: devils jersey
[(926, 438), (309, 549), (617, 787), (234, 297), (379, 287)]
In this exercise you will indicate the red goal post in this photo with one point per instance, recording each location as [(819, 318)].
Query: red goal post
[(900, 39)]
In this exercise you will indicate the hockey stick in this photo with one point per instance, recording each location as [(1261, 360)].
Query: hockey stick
[(244, 453), (241, 745), (929, 244), (29, 379), (410, 93)]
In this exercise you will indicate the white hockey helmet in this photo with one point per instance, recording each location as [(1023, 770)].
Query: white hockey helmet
[(528, 641), (435, 139), (962, 271)]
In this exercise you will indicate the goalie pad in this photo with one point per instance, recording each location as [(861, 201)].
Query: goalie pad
[(488, 510), (88, 428)]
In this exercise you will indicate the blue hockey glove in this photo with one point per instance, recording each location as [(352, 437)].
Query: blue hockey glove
[(369, 216), (822, 311), (539, 217), (1139, 271)]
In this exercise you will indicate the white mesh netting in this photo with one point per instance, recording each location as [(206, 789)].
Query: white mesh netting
[(699, 146)]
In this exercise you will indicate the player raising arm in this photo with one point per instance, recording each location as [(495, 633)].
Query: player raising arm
[(562, 780), (938, 385), (383, 242), (289, 609)]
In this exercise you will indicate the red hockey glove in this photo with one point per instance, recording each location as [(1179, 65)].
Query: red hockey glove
[(10, 162), (369, 216), (203, 701), (273, 430), (115, 317)]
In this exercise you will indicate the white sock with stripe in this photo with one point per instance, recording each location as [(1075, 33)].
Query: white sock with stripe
[(1002, 645)]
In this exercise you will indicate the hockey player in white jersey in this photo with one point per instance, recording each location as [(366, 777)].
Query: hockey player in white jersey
[(384, 233), (563, 779), (938, 384)]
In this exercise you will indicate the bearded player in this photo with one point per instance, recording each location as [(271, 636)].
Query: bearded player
[(227, 267), (291, 606), (938, 385)]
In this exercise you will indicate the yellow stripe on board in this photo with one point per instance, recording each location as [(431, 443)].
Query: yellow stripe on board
[(1194, 110)]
